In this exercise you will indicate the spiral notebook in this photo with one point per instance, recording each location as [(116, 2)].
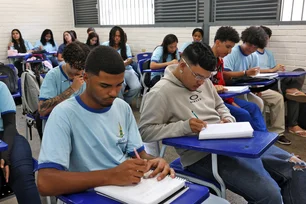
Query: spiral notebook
[(148, 191)]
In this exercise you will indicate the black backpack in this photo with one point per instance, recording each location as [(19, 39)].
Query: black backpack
[(12, 80)]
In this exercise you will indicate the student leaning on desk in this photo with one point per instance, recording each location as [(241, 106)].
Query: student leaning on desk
[(89, 139), (273, 178)]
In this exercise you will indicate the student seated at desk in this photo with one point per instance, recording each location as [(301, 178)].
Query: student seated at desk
[(21, 45), (164, 55), (16, 163), (290, 86), (64, 81), (243, 61), (89, 139), (186, 87), (48, 44), (117, 41), (197, 36), (242, 110), (68, 38), (92, 40)]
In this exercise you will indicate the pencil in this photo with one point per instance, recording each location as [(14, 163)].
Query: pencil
[(136, 154)]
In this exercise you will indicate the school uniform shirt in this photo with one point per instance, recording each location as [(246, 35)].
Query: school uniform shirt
[(7, 104), (184, 46), (61, 48), (218, 78), (157, 56), (266, 59), (48, 47), (128, 53), (237, 61), (55, 83), (80, 138)]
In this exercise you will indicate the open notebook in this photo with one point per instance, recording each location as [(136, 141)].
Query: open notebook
[(266, 75), (148, 191), (236, 89), (226, 131)]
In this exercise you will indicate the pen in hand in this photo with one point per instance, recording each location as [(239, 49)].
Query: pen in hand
[(195, 114)]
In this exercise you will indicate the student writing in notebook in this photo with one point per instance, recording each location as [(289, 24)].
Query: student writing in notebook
[(242, 110), (243, 61), (89, 139), (290, 86), (166, 113)]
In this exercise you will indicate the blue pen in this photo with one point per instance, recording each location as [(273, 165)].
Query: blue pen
[(195, 114)]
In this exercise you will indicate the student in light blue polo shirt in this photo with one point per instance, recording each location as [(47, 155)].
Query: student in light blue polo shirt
[(64, 81), (197, 36), (164, 55), (21, 45), (16, 162), (117, 41), (290, 86), (89, 140), (243, 61), (48, 44)]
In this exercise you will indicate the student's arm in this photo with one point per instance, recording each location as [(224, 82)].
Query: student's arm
[(250, 72), (157, 58), (60, 53), (278, 67), (54, 182), (46, 104), (129, 59)]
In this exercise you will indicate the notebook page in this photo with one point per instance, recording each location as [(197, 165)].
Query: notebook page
[(226, 130), (148, 191), (236, 89)]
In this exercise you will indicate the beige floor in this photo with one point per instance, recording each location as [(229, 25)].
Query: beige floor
[(297, 147)]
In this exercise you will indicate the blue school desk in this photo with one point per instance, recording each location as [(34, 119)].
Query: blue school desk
[(290, 74), (3, 146), (257, 83), (240, 147), (3, 76), (231, 95), (154, 70), (195, 194)]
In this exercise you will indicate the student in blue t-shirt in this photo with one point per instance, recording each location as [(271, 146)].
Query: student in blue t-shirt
[(243, 61), (64, 81), (48, 44), (68, 37), (290, 86), (16, 163), (164, 55), (197, 36), (21, 45), (89, 139), (117, 41)]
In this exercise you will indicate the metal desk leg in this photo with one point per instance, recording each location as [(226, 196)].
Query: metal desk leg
[(162, 151), (279, 87), (214, 163)]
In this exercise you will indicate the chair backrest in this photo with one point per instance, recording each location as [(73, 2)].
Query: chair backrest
[(144, 64), (11, 79), (144, 55)]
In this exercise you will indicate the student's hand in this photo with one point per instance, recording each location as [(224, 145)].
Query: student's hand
[(78, 81), (279, 67), (129, 172), (236, 105), (41, 47), (5, 169), (220, 88), (173, 61), (10, 44), (196, 125), (253, 71), (224, 120), (160, 166)]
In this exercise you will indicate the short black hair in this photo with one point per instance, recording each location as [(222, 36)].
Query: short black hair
[(198, 30), (227, 33), (267, 30), (106, 59), (255, 36), (200, 53), (75, 54)]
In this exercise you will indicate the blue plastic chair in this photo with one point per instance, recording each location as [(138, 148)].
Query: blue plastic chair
[(144, 55), (18, 93)]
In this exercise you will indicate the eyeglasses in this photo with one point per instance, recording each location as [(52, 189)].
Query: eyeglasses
[(196, 76)]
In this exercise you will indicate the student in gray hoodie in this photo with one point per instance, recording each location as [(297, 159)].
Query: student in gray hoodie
[(271, 179)]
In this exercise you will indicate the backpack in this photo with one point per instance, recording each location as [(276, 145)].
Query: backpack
[(12, 80), (30, 86)]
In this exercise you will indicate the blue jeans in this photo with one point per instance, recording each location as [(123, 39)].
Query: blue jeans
[(270, 179), (249, 112), (131, 79), (22, 179)]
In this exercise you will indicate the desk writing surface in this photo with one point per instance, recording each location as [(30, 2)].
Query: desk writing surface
[(3, 146), (195, 194), (257, 83), (231, 95), (243, 147), (290, 74), (3, 76), (154, 70)]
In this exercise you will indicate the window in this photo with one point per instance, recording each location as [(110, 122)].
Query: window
[(126, 12), (293, 10)]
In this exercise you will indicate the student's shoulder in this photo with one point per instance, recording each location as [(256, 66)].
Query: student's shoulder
[(269, 52), (66, 107)]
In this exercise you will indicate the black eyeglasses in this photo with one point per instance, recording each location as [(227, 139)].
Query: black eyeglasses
[(196, 76)]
